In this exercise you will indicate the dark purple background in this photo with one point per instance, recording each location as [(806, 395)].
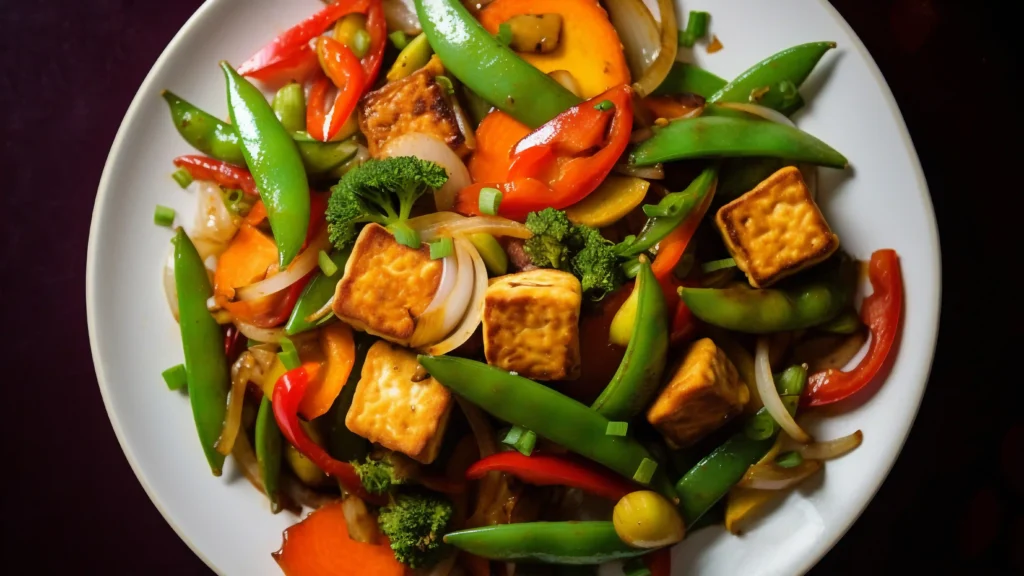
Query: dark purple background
[(70, 68)]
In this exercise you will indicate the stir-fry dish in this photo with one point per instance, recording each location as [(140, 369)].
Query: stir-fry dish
[(502, 286)]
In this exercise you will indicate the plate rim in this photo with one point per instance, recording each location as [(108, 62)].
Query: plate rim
[(803, 566)]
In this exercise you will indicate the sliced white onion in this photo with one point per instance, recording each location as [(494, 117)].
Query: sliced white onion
[(774, 477), (493, 225), (324, 310), (303, 264), (401, 15), (652, 172), (656, 73), (449, 302), (638, 31), (426, 147), (465, 126), (170, 288), (641, 134), (567, 80), (215, 225), (770, 396), (260, 334), (832, 448), (758, 110), (362, 526), (475, 309)]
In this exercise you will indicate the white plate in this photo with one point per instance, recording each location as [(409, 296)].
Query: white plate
[(882, 202)]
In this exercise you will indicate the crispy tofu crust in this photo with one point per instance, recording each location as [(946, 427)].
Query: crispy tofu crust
[(389, 408), (776, 229), (531, 324), (703, 394), (386, 286), (416, 103)]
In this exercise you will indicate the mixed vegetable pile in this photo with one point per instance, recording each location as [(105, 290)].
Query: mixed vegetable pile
[(509, 283)]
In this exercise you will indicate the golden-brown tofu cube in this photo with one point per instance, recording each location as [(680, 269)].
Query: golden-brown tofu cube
[(393, 409), (531, 324), (386, 286), (416, 103), (704, 392), (776, 229)]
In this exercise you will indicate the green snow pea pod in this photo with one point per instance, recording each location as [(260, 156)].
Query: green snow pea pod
[(639, 374), (321, 157), (274, 161), (710, 480), (670, 212), (488, 67), (206, 364), (268, 452), (741, 175), (315, 295), (721, 136), (684, 77), (550, 542), (773, 81), (203, 131)]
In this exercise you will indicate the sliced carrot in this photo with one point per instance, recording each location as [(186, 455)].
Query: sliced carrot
[(588, 48), (496, 136), (257, 214), (320, 545), (248, 258), (339, 348)]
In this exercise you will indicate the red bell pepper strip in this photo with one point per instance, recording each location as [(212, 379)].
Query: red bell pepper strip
[(377, 28), (659, 562), (233, 343), (288, 392), (224, 174), (550, 470), (344, 70), (297, 66), (565, 159), (672, 247), (684, 324), (881, 313), (292, 40)]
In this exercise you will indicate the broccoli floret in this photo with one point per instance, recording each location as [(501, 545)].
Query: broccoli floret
[(579, 249), (368, 193), (414, 524), (377, 476)]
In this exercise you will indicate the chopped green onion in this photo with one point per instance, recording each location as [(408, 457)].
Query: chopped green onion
[(631, 267), (327, 266), (182, 177), (399, 39), (636, 567), (441, 249), (760, 426), (513, 435), (604, 105), (163, 216), (789, 459), (696, 28), (445, 83), (645, 471), (405, 235), (288, 355), (505, 33), (718, 265), (521, 439), (175, 377), (617, 429), (237, 202), (360, 43), (490, 201)]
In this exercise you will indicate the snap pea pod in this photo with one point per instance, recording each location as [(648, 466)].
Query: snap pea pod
[(414, 56), (206, 365), (315, 295), (272, 157), (321, 157), (289, 105), (780, 74), (639, 373), (342, 443), (550, 542), (741, 175), (710, 480), (687, 78), (803, 303), (488, 67), (203, 131), (548, 413), (718, 136), (670, 212), (268, 452)]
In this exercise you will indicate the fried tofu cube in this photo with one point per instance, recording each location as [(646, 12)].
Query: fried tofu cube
[(386, 286), (395, 409), (416, 103), (776, 229), (531, 324), (704, 392)]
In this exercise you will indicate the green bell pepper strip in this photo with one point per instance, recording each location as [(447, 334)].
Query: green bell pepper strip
[(289, 106), (687, 78), (718, 136), (342, 443), (816, 299), (670, 212), (488, 67), (548, 413), (203, 131), (274, 161), (639, 373), (710, 480), (206, 364), (549, 542), (315, 295), (268, 452), (792, 65)]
